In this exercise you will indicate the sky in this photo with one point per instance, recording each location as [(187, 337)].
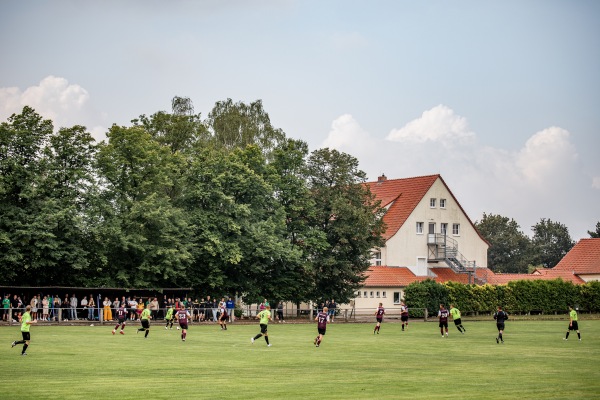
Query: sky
[(501, 98)]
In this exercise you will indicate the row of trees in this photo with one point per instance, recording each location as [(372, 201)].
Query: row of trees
[(225, 204), (523, 296), (511, 251)]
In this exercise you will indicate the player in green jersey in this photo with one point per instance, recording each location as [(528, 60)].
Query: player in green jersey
[(26, 321), (455, 312), (169, 317), (573, 324), (145, 318), (265, 317)]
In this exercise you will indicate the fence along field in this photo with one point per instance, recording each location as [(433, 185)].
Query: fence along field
[(74, 362)]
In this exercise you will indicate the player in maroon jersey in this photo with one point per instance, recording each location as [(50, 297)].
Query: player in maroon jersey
[(404, 315), (443, 316), (321, 319), (121, 318), (223, 316), (182, 317), (379, 316)]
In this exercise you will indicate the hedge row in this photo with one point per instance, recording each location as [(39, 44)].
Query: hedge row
[(536, 296)]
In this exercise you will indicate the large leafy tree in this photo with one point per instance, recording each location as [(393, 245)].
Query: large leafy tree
[(349, 217), (235, 125), (238, 227), (510, 248), (144, 236), (46, 182), (551, 242)]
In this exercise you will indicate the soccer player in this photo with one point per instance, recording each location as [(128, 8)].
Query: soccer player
[(182, 317), (145, 318), (169, 317), (500, 316), (26, 322), (223, 316), (404, 315), (456, 317), (573, 325), (121, 318), (321, 319), (379, 316), (443, 316), (265, 317)]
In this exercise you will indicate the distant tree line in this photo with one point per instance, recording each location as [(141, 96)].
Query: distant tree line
[(224, 204), (511, 251), (524, 296)]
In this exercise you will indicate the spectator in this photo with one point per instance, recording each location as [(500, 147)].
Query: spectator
[(230, 309), (45, 308), (116, 305), (57, 308), (74, 302), (34, 307), (280, 312), (84, 304), (6, 307), (91, 307), (107, 314), (154, 308)]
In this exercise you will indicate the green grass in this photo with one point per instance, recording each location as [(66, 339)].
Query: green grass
[(87, 362)]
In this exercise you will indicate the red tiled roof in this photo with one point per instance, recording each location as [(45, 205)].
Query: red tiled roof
[(383, 276), (583, 258), (402, 196), (502, 279)]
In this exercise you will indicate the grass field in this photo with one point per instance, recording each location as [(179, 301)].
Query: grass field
[(87, 362)]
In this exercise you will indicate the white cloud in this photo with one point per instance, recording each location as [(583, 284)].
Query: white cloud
[(438, 124), (56, 99), (543, 179)]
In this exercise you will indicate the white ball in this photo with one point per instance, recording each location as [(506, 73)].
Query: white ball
[(177, 328)]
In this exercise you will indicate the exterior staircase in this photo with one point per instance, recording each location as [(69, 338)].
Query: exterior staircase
[(444, 248)]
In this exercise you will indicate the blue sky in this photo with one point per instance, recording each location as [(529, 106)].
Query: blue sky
[(499, 97)]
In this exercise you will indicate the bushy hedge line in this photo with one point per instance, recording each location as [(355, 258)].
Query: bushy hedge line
[(526, 296)]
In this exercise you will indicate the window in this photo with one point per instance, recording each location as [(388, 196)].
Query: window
[(456, 229), (358, 294), (444, 228), (419, 228), (377, 256), (396, 297), (371, 294), (377, 294), (365, 294), (442, 203), (383, 294), (432, 203)]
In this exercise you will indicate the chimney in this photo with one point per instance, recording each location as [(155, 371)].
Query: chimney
[(382, 178)]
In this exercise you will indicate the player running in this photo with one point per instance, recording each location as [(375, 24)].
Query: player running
[(169, 317), (121, 318), (443, 316), (500, 316), (321, 319), (183, 316), (145, 318), (223, 316), (379, 313), (265, 317), (456, 317), (404, 315), (26, 322)]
